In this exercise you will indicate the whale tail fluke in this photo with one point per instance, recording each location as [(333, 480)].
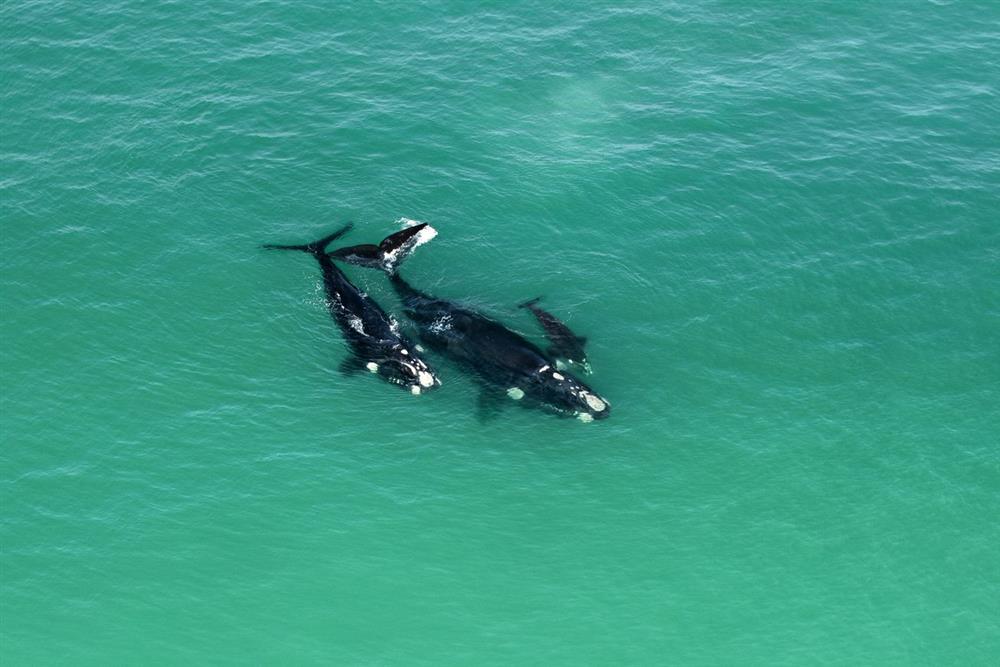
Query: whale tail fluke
[(316, 247), (530, 302), (390, 253)]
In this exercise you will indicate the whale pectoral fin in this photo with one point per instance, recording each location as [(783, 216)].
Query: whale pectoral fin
[(351, 366), (489, 405)]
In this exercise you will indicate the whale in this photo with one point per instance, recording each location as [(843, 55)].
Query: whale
[(565, 346), (502, 360), (374, 338)]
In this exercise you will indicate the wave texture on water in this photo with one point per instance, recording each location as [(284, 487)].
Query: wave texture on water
[(776, 227)]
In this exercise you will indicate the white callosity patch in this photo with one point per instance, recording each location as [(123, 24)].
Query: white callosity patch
[(595, 403), (406, 352), (585, 417), (356, 324), (558, 376), (426, 379), (415, 390), (516, 393), (544, 368), (372, 366)]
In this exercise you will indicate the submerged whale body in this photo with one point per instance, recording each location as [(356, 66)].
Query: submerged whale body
[(501, 359), (373, 336)]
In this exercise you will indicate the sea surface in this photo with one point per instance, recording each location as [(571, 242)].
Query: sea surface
[(777, 223)]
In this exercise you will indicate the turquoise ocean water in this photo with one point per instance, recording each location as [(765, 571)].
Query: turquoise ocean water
[(777, 223)]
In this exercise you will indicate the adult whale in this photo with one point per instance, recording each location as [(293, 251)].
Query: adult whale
[(501, 359), (374, 337)]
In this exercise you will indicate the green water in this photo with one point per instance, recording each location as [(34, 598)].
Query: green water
[(777, 225)]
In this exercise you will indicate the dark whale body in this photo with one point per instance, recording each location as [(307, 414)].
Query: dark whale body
[(372, 335), (499, 358)]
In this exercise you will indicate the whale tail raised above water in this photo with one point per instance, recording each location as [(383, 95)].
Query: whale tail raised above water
[(316, 247), (390, 253)]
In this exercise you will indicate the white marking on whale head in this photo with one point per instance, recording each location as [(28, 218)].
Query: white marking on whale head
[(516, 393), (372, 366), (558, 376), (425, 378), (355, 323), (406, 352), (415, 390), (595, 403)]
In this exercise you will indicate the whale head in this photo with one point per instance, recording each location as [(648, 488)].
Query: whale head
[(404, 367), (568, 395)]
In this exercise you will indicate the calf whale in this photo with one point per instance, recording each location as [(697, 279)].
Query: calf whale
[(374, 338), (501, 359), (565, 345)]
